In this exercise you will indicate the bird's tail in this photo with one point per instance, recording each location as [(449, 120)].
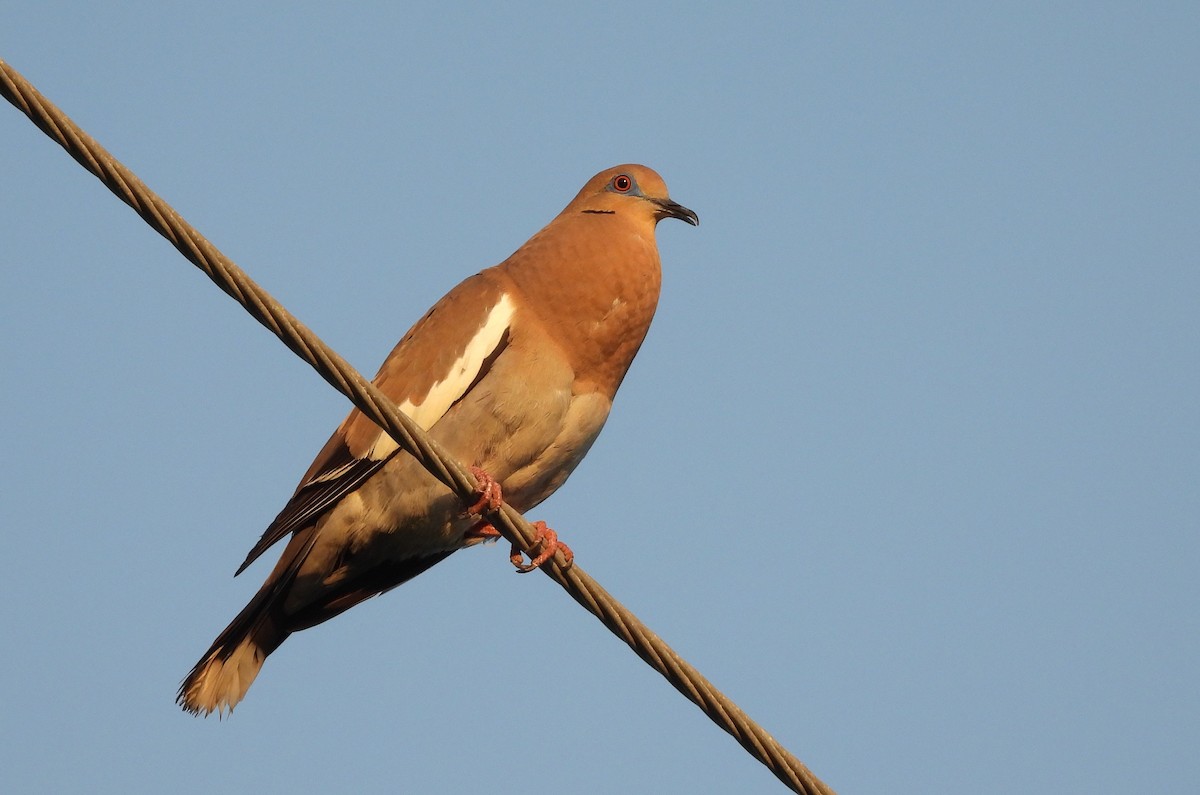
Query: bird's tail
[(224, 674)]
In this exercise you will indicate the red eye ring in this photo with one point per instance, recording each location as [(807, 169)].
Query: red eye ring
[(622, 183)]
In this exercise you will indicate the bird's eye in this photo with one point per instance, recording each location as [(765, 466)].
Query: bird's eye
[(621, 183)]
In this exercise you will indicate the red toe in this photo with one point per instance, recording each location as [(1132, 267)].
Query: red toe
[(548, 539), (491, 495)]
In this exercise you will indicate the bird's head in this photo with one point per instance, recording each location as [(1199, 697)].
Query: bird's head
[(631, 191)]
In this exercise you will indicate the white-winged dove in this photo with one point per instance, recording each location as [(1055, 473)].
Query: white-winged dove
[(513, 372)]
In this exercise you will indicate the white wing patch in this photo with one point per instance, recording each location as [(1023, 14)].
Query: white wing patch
[(453, 385)]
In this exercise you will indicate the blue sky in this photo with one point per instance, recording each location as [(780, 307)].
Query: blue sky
[(909, 464)]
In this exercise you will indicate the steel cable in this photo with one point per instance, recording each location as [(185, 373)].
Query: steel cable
[(231, 279)]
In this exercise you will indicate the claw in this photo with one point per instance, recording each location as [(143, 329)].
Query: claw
[(549, 543), (491, 496), (481, 531)]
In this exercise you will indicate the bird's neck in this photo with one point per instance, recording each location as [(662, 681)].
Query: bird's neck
[(595, 285)]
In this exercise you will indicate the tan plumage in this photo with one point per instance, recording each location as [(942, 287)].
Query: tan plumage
[(514, 371)]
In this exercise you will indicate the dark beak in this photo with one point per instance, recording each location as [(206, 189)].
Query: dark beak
[(669, 209)]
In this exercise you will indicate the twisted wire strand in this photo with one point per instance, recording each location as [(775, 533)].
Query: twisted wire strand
[(344, 378)]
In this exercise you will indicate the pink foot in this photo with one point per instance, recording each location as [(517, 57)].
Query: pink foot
[(491, 496), (482, 531), (550, 544)]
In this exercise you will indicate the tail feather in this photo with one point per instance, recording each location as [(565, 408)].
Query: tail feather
[(224, 674)]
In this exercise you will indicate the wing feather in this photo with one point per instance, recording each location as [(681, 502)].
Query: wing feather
[(437, 363)]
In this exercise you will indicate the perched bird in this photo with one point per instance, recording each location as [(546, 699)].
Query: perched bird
[(513, 372)]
